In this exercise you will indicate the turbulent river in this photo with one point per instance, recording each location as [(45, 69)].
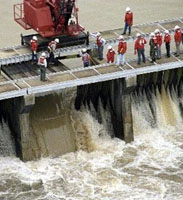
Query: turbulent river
[(150, 168)]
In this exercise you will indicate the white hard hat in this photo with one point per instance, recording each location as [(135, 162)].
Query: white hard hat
[(84, 50), (121, 37), (152, 34), (138, 35), (157, 31), (34, 37), (167, 31), (109, 47), (128, 9), (43, 54), (176, 27), (98, 34), (57, 40)]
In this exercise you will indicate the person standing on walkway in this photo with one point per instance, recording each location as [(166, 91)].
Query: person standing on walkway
[(167, 40), (159, 41), (139, 48), (100, 44), (42, 62), (122, 47), (110, 54), (34, 46), (128, 21), (178, 39), (85, 58), (52, 46), (153, 47)]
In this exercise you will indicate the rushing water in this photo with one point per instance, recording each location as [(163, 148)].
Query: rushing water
[(150, 168)]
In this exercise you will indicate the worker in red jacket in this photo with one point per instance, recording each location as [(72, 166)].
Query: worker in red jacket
[(139, 48), (159, 41), (34, 46), (128, 21), (52, 46), (100, 44), (122, 47), (178, 39), (110, 54), (167, 40)]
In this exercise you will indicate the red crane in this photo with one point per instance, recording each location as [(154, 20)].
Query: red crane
[(50, 18)]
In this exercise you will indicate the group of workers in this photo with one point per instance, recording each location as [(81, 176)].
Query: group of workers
[(42, 61), (155, 42)]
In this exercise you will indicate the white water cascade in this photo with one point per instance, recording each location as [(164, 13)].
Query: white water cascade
[(150, 168), (7, 145)]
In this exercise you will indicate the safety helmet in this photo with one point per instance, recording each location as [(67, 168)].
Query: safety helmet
[(57, 40), (167, 31), (121, 37), (138, 35), (109, 47), (127, 9), (152, 34), (43, 54), (84, 50), (98, 34), (34, 38), (157, 31), (177, 27)]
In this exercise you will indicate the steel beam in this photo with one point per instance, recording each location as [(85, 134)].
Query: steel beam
[(13, 94), (104, 77)]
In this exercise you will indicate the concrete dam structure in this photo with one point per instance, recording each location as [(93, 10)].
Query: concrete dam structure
[(64, 139), (44, 117), (45, 125)]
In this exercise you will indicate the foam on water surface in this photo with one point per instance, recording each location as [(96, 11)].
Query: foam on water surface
[(148, 168)]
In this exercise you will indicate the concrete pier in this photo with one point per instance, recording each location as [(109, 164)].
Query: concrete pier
[(129, 85), (116, 95), (25, 137), (16, 111)]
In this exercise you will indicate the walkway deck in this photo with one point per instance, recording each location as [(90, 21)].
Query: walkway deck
[(71, 78), (23, 78)]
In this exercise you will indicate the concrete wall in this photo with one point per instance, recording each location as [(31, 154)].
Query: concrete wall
[(50, 125), (16, 113), (42, 126)]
